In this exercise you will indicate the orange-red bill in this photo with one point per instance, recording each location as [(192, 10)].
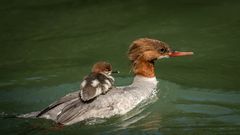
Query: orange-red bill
[(176, 54)]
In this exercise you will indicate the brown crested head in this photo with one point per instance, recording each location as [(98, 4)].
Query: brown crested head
[(102, 66), (148, 49), (144, 51)]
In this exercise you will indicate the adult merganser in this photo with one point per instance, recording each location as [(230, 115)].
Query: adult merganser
[(118, 101)]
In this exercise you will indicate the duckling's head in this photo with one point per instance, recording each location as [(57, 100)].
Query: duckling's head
[(102, 67)]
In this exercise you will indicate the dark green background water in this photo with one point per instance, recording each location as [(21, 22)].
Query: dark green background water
[(48, 46)]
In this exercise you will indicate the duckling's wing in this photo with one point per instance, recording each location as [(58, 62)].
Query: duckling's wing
[(62, 100), (88, 93)]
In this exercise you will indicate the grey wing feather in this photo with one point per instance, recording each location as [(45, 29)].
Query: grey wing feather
[(71, 111), (62, 100)]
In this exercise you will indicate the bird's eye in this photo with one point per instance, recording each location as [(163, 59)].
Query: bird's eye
[(162, 50), (109, 68)]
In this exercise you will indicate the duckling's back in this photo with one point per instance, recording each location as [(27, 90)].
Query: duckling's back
[(94, 85)]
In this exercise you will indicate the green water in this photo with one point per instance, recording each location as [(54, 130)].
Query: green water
[(48, 46)]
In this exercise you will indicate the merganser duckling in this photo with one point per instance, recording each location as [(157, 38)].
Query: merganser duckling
[(120, 100), (98, 82)]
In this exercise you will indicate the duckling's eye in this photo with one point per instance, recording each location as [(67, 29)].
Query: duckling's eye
[(108, 68)]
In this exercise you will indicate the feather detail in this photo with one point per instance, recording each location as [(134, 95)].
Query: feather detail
[(95, 85)]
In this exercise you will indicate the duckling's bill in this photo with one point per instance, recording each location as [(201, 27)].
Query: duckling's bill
[(116, 72)]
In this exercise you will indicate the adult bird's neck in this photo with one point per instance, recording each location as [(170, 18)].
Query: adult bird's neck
[(144, 68)]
